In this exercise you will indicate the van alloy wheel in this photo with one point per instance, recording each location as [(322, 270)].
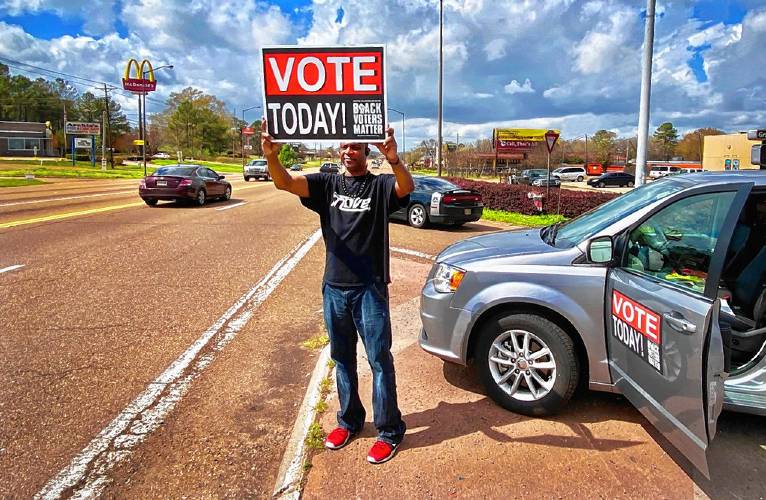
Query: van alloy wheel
[(522, 365), (527, 363)]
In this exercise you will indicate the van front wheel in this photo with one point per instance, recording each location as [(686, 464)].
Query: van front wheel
[(527, 364)]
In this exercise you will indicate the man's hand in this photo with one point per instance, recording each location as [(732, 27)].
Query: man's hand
[(268, 146), (388, 147)]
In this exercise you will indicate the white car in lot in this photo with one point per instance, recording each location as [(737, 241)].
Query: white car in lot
[(161, 156)]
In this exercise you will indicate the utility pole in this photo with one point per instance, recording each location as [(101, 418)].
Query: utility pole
[(441, 77), (586, 151), (65, 143), (646, 91), (103, 140), (108, 126)]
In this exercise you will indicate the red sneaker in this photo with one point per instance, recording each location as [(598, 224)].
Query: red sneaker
[(381, 452), (338, 438)]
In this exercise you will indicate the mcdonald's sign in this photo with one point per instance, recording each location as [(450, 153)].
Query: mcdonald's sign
[(138, 83)]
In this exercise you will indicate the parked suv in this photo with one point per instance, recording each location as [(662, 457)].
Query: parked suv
[(256, 169), (659, 294), (570, 173)]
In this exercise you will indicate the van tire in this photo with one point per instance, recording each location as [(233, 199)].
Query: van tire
[(561, 347), (579, 178)]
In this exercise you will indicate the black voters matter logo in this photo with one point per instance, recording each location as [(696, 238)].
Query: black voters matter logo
[(325, 93)]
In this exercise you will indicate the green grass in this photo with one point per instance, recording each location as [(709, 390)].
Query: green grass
[(318, 341), (321, 407), (518, 219), (119, 172), (19, 182), (315, 437), (324, 386), (312, 163)]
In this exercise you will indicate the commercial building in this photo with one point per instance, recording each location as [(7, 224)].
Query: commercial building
[(728, 152), (25, 139)]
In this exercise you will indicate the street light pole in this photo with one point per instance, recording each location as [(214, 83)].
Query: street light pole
[(404, 135), (646, 90), (441, 72), (242, 136)]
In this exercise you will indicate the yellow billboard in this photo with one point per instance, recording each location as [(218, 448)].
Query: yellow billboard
[(522, 134)]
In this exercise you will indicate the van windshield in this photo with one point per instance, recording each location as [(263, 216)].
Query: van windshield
[(574, 231)]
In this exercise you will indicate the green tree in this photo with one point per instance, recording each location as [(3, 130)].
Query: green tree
[(287, 155), (666, 138), (603, 145), (196, 122)]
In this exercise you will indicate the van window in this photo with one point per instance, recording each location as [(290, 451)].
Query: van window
[(583, 227), (676, 244)]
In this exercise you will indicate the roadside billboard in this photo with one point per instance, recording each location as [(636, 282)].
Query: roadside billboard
[(523, 134), (84, 128), (325, 93)]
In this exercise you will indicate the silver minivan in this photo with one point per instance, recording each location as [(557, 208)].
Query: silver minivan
[(659, 294), (570, 173)]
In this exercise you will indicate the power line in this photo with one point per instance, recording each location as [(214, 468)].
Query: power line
[(2, 58), (14, 64)]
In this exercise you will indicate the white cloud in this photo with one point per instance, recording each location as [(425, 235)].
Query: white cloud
[(515, 88), (495, 49)]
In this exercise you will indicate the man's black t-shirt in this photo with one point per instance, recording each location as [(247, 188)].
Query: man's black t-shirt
[(353, 212)]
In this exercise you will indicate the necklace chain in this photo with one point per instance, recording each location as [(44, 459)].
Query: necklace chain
[(359, 191)]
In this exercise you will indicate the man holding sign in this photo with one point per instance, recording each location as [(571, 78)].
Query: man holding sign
[(353, 211)]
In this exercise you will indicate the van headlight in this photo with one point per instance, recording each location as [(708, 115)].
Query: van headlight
[(447, 278)]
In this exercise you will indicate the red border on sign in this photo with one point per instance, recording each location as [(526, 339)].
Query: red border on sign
[(311, 74)]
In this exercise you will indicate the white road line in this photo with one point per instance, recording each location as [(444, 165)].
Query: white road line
[(11, 268), (407, 251), (29, 202), (232, 206), (88, 473)]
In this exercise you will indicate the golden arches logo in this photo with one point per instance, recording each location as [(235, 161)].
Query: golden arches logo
[(138, 83), (139, 70)]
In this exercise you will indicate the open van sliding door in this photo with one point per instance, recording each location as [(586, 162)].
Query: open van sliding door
[(663, 338)]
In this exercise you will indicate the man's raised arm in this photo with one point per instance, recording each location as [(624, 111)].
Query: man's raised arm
[(282, 179), (404, 183)]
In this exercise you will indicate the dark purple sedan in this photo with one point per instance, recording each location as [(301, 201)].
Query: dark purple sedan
[(183, 182)]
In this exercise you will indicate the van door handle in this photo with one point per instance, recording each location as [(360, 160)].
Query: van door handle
[(677, 321)]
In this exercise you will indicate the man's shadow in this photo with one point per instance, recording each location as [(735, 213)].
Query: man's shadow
[(452, 420)]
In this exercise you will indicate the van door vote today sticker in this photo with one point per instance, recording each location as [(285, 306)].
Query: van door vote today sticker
[(638, 328), (327, 93)]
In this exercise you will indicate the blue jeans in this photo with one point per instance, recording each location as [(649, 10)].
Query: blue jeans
[(363, 309)]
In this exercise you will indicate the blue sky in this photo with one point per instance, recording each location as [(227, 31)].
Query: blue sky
[(569, 64)]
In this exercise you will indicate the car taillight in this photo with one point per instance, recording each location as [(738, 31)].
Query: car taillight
[(452, 198), (142, 184), (185, 182)]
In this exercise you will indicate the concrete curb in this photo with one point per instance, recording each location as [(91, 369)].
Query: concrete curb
[(291, 472)]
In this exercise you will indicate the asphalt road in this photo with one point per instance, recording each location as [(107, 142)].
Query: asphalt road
[(112, 293)]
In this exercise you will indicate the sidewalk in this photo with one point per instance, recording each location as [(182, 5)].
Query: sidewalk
[(460, 444)]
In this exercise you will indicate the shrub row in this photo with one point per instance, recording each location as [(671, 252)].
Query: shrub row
[(513, 198)]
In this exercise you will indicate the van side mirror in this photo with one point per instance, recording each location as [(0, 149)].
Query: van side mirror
[(600, 250)]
